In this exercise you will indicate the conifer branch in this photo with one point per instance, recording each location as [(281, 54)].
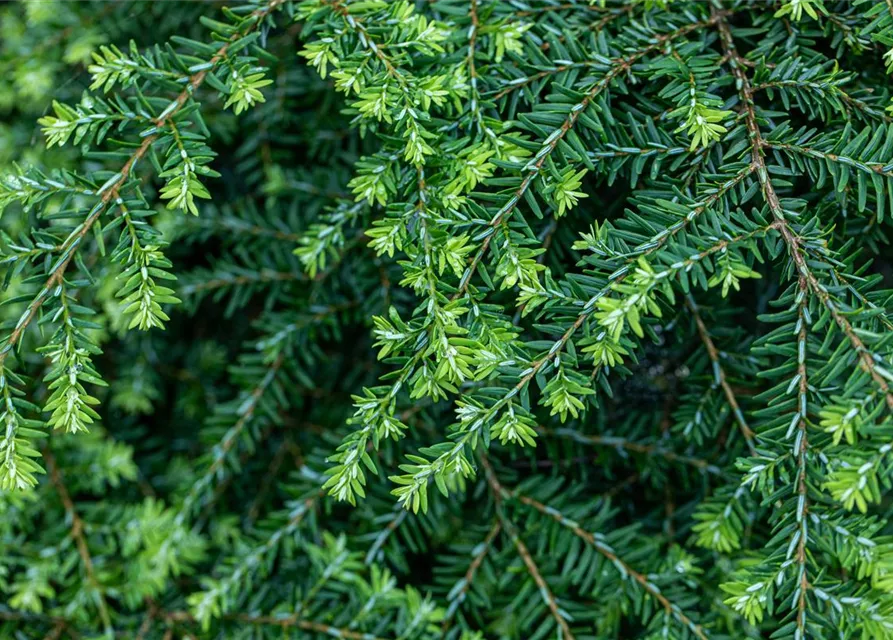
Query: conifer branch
[(598, 545), (538, 185), (720, 375), (247, 409), (109, 192), (866, 360), (77, 534), (474, 105), (597, 26), (884, 317), (878, 168), (801, 448), (805, 282), (824, 88), (211, 602), (272, 471), (533, 168), (451, 460), (565, 7), (792, 241), (467, 581), (399, 516), (498, 493)]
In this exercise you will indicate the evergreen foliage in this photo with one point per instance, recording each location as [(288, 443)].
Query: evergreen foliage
[(463, 319)]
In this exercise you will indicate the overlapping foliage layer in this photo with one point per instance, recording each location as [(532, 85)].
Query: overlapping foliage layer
[(450, 319)]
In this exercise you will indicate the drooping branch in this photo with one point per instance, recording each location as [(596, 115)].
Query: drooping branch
[(806, 282), (791, 239)]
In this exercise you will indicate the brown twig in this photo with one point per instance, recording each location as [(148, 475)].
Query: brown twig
[(720, 375), (476, 562), (498, 492), (77, 534)]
